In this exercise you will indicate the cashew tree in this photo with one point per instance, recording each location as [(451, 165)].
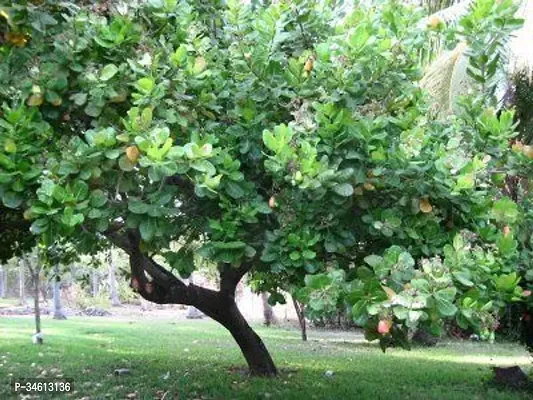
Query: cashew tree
[(287, 141)]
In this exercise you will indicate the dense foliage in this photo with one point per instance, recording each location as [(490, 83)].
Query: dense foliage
[(283, 138)]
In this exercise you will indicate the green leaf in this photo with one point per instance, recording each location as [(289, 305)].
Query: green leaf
[(147, 228), (12, 199), (10, 146), (464, 278), (444, 301), (507, 245), (343, 189), (53, 98), (179, 58), (59, 193), (93, 110), (506, 282), (295, 255), (465, 181), (308, 254), (79, 98), (112, 154), (505, 211), (70, 218), (109, 71), (182, 261), (270, 141), (125, 164), (374, 260), (145, 85), (138, 207), (39, 226), (233, 189), (359, 38), (359, 310), (66, 168), (80, 190), (317, 282)]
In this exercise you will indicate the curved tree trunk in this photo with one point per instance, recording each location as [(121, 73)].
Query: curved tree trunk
[(253, 349), (157, 284)]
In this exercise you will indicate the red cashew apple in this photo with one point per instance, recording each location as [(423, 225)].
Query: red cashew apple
[(384, 327)]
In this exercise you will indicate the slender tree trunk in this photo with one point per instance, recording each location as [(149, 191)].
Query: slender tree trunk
[(35, 273), (37, 284), (253, 349), (113, 293), (299, 307), (58, 309), (22, 284), (2, 283), (268, 311), (94, 284)]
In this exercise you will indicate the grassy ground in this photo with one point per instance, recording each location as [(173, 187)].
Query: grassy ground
[(199, 360)]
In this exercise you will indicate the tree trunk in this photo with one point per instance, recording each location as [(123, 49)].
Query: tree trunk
[(268, 312), (36, 272), (2, 283), (94, 284), (113, 293), (58, 309), (253, 349), (301, 317), (22, 283), (166, 288)]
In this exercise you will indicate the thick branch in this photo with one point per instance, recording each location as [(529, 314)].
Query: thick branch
[(119, 240), (231, 276), (158, 285)]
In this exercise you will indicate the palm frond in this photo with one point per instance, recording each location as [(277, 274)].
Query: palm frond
[(444, 77), (516, 56)]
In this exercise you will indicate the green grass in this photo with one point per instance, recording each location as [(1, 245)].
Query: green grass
[(204, 363)]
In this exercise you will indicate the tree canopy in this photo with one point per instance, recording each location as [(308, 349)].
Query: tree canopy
[(289, 141)]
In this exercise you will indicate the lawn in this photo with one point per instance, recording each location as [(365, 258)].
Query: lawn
[(198, 360)]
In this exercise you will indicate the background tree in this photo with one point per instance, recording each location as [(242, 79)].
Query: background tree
[(279, 141), (268, 312), (3, 283), (22, 283), (56, 290), (33, 264), (300, 313), (112, 281)]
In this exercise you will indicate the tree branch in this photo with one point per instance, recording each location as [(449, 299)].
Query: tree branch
[(119, 240), (158, 285), (230, 276)]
